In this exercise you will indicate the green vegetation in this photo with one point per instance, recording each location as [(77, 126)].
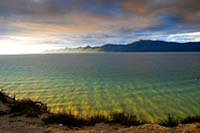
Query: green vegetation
[(126, 119), (72, 120), (98, 118), (191, 119), (170, 121), (173, 121), (23, 107), (28, 107), (31, 108), (65, 119)]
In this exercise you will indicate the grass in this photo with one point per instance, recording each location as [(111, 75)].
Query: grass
[(98, 118), (31, 108)]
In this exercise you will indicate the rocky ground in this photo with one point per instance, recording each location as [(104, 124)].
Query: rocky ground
[(22, 124)]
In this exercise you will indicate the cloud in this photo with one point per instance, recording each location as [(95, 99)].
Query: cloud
[(194, 36), (94, 22)]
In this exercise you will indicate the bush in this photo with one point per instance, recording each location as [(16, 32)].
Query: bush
[(191, 119), (171, 121), (126, 119), (28, 107), (73, 121), (65, 119)]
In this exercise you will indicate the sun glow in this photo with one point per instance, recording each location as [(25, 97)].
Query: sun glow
[(12, 47)]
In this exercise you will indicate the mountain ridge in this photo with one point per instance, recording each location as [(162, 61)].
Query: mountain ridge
[(141, 46)]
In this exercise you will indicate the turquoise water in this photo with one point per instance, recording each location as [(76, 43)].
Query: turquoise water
[(150, 85)]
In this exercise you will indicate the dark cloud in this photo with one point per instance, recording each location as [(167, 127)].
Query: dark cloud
[(187, 10)]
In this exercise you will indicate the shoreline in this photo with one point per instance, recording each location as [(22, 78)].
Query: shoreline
[(27, 114)]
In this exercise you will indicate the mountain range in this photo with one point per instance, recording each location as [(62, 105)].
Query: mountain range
[(139, 46)]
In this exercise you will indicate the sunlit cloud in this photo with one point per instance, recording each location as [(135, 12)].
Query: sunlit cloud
[(46, 24), (193, 37)]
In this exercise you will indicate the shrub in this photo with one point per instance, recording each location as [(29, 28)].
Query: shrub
[(191, 119), (126, 119), (71, 120), (65, 119), (171, 121), (28, 107)]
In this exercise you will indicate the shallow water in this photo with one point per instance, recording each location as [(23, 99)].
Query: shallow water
[(150, 85)]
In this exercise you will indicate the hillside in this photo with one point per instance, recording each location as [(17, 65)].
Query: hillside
[(139, 46), (153, 46)]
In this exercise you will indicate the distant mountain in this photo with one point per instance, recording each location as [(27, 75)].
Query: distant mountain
[(152, 46), (141, 46)]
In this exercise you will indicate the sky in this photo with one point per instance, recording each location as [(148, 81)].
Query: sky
[(33, 26)]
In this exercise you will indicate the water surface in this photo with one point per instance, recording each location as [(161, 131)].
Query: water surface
[(150, 85)]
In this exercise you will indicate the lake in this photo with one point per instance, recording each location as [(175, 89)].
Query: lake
[(149, 85)]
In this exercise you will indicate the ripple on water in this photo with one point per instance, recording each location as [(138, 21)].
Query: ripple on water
[(150, 88)]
